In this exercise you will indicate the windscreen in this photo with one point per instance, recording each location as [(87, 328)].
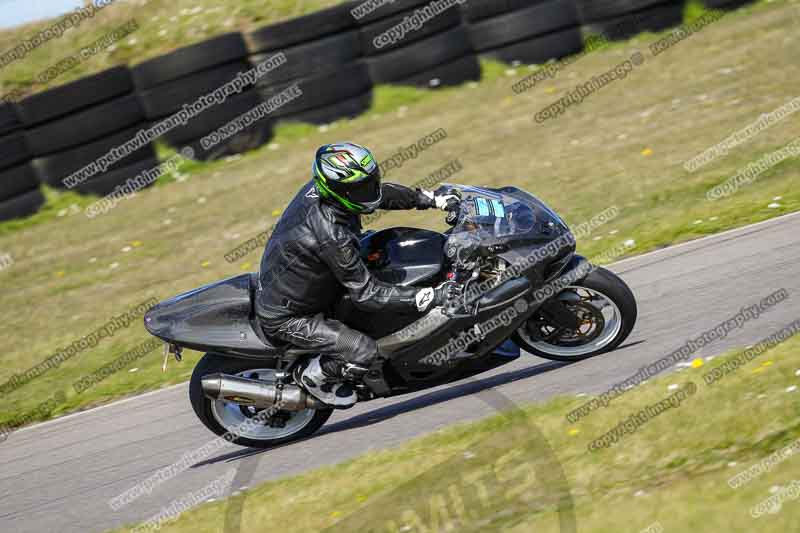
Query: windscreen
[(493, 214)]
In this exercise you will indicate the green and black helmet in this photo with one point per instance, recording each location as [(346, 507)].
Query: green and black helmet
[(348, 175)]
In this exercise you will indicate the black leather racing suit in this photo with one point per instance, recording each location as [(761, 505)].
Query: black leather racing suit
[(311, 259)]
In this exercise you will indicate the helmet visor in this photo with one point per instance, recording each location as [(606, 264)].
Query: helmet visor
[(367, 191)]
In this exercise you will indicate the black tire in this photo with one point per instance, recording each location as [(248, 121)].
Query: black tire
[(9, 118), (654, 18), (387, 10), (75, 96), (22, 206), (539, 49), (442, 22), (17, 180), (208, 54), (54, 168), (326, 89), (317, 57), (104, 184), (609, 284), (14, 149), (349, 108), (475, 10), (170, 97), (210, 364), (598, 10), (540, 19), (420, 56), (335, 19), (85, 126), (462, 70), (211, 119)]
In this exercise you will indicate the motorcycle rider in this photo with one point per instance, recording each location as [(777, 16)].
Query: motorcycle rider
[(313, 256)]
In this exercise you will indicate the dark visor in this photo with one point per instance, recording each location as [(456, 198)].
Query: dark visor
[(369, 190)]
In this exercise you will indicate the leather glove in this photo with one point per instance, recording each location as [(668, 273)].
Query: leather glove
[(446, 294), (442, 200)]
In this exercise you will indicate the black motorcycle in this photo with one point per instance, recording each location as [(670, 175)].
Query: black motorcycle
[(524, 287)]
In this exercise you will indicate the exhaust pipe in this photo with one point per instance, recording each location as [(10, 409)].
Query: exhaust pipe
[(255, 393)]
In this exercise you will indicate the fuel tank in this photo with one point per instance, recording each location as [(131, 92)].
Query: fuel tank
[(400, 256), (404, 256)]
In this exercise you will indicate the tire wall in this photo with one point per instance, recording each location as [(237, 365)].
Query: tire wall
[(330, 62)]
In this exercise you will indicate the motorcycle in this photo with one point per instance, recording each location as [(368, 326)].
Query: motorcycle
[(524, 288)]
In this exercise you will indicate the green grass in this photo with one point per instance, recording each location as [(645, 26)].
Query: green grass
[(61, 203), (164, 26), (673, 470), (623, 146)]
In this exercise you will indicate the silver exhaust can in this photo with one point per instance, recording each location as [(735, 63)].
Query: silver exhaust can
[(255, 393)]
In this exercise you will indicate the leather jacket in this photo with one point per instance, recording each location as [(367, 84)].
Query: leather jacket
[(313, 257)]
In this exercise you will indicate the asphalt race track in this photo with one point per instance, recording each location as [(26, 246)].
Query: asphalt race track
[(59, 476)]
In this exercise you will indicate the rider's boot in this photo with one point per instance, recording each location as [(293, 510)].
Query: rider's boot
[(327, 380)]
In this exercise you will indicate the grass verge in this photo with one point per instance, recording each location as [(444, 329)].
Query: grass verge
[(490, 476)]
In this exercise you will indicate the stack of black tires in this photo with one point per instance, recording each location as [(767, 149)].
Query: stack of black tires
[(523, 31), (167, 83), (334, 56), (71, 126), (621, 19), (435, 53), (19, 187), (323, 57)]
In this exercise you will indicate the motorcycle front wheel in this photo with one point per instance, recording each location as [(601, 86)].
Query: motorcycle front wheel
[(606, 309), (241, 423)]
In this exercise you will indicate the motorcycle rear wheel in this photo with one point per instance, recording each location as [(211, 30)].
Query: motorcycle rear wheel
[(607, 309), (236, 421)]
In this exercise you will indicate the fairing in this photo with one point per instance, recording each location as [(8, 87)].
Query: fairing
[(217, 317), (505, 215)]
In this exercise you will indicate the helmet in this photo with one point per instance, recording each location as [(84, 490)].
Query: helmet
[(347, 174)]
